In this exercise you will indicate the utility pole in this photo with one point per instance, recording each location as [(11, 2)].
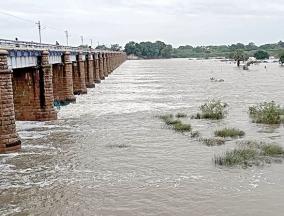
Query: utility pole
[(82, 40), (39, 30), (67, 37)]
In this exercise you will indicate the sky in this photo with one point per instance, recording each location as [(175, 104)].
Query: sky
[(176, 22)]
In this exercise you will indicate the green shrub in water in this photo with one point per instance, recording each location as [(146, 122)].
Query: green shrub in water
[(212, 141), (213, 109), (250, 153), (181, 115), (236, 157), (229, 132), (267, 113), (180, 127)]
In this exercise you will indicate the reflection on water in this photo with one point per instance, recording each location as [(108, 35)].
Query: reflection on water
[(108, 155)]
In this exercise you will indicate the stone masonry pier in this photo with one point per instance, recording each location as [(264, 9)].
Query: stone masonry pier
[(33, 77)]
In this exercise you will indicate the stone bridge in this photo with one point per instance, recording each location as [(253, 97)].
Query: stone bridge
[(34, 77)]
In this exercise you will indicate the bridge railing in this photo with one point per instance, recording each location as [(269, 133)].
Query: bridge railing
[(24, 45)]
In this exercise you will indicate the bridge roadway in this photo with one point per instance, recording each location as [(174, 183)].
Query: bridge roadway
[(34, 76)]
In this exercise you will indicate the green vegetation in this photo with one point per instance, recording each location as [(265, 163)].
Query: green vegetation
[(213, 109), (159, 49), (175, 124), (181, 127), (239, 55), (229, 132), (212, 141), (250, 153), (181, 115), (267, 113), (260, 55), (236, 157), (281, 58)]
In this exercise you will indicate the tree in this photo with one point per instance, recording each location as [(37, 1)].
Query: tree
[(115, 47), (102, 47), (130, 48), (281, 58), (239, 55), (251, 46), (166, 52), (260, 55)]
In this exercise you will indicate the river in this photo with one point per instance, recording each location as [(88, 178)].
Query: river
[(109, 155)]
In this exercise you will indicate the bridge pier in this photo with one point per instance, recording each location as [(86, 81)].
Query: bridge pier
[(105, 65), (33, 92), (89, 68), (79, 79), (97, 68), (9, 139), (37, 80), (101, 66), (63, 80)]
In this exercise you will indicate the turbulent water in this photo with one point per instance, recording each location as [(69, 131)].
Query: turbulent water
[(109, 155)]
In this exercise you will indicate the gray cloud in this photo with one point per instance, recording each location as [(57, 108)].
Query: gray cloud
[(118, 21)]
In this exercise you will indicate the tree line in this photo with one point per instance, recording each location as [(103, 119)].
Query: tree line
[(160, 49)]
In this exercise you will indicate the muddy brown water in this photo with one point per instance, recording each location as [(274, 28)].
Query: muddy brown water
[(108, 155)]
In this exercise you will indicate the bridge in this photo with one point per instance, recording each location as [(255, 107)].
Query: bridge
[(34, 76)]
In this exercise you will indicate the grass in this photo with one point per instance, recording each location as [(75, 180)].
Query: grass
[(212, 141), (237, 157), (213, 109), (181, 127), (175, 124), (172, 122), (267, 113), (181, 115), (250, 153), (229, 132)]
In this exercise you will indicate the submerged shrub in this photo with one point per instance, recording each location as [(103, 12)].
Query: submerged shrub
[(166, 116), (212, 141), (271, 150), (175, 124), (229, 132), (250, 153), (181, 115), (212, 110), (180, 127), (194, 134), (267, 113), (172, 121), (236, 157)]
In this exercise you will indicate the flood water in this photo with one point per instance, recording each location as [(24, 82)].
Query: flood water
[(108, 154)]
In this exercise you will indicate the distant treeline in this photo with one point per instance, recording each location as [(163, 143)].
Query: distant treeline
[(159, 49)]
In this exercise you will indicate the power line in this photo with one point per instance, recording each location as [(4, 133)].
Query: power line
[(43, 27)]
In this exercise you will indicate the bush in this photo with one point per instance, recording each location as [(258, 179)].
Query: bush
[(250, 153), (236, 157), (266, 113), (181, 115), (229, 132), (260, 55), (212, 141), (212, 110), (180, 127)]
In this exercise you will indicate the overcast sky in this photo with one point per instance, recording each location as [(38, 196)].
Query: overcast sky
[(179, 22)]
